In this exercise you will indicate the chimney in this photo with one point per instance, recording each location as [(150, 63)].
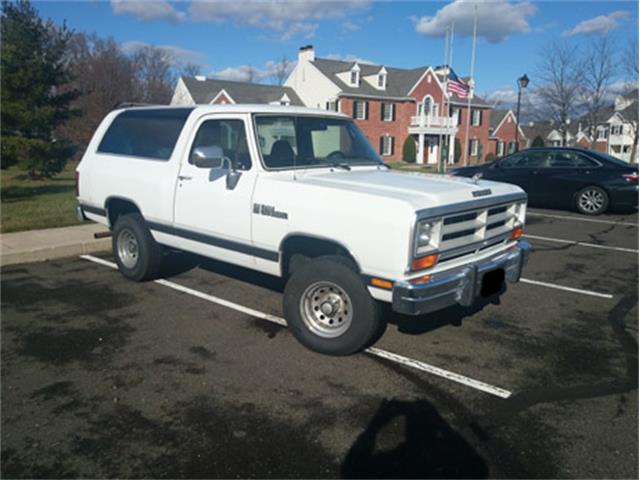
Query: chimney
[(306, 54)]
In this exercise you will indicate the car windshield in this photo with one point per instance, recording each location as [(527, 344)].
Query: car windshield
[(292, 141)]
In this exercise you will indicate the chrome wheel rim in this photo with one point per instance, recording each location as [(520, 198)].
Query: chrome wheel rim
[(326, 309), (127, 248), (591, 201)]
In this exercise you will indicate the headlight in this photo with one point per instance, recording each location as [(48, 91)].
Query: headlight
[(427, 236)]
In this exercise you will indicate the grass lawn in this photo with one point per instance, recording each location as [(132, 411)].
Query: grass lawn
[(412, 167), (33, 204)]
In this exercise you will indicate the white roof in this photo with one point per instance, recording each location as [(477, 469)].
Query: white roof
[(246, 108)]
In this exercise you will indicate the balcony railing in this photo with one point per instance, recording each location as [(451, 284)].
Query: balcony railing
[(434, 121)]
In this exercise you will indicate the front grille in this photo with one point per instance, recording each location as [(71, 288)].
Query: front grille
[(472, 231)]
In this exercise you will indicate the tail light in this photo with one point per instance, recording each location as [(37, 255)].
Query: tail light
[(631, 177), (77, 183)]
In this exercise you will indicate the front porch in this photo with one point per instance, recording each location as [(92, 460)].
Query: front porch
[(431, 147)]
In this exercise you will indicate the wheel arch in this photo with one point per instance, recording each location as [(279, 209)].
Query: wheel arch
[(116, 206), (311, 246)]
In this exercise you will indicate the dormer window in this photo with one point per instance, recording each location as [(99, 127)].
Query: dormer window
[(355, 76), (382, 79)]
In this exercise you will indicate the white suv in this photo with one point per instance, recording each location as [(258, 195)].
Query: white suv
[(299, 193)]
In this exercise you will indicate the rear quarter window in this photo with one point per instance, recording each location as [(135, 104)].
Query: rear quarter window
[(151, 133)]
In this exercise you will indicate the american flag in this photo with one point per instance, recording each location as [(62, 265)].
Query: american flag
[(456, 85)]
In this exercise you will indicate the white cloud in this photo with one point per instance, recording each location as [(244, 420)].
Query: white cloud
[(497, 19), (148, 11), (348, 58), (599, 24), (288, 17), (175, 55), (245, 73)]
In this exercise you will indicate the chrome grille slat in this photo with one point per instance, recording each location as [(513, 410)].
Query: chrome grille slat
[(470, 232)]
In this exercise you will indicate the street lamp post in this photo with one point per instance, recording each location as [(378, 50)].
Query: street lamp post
[(523, 81)]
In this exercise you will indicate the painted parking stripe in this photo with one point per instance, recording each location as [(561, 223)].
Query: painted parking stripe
[(581, 244), (566, 289), (394, 357), (579, 219)]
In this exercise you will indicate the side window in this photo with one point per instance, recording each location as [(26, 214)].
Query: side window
[(229, 135), (145, 133), (515, 161), (539, 159), (584, 162)]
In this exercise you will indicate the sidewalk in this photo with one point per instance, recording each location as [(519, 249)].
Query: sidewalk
[(40, 245)]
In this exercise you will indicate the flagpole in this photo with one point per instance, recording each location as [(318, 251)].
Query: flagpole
[(472, 84), (440, 136), (447, 95)]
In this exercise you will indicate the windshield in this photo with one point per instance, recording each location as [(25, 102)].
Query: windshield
[(288, 141)]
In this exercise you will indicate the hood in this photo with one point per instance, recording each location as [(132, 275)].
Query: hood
[(421, 190)]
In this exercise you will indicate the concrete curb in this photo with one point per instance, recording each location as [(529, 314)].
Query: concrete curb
[(52, 253), (49, 244)]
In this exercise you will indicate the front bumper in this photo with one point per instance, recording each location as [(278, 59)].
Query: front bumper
[(461, 286)]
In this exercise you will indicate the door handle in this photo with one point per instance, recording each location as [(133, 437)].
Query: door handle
[(183, 177)]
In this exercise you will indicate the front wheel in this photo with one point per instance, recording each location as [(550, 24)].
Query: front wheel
[(592, 201), (329, 309)]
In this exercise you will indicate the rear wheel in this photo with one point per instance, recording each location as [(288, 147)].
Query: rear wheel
[(592, 201), (329, 309), (138, 255)]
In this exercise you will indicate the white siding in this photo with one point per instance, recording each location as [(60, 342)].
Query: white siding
[(181, 95), (313, 88)]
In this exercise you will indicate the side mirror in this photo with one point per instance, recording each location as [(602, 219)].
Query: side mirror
[(208, 157)]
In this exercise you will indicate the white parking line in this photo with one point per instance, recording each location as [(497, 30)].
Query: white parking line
[(579, 219), (394, 357), (566, 289), (581, 244)]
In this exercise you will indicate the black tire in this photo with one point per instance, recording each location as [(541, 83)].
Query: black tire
[(146, 261), (348, 296), (591, 200)]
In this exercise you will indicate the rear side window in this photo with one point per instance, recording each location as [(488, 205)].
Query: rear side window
[(151, 133)]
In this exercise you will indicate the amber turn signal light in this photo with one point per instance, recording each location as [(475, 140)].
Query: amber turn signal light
[(420, 280), (517, 233), (378, 282), (424, 262)]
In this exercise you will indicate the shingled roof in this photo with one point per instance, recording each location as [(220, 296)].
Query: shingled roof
[(400, 81), (204, 91)]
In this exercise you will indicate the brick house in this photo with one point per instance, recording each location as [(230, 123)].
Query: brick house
[(201, 90), (393, 104), (502, 133)]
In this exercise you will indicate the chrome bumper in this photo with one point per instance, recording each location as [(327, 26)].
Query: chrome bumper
[(460, 286)]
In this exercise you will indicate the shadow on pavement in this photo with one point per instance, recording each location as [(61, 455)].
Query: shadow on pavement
[(430, 448)]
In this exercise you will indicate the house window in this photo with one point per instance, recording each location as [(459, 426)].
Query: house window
[(387, 112), (382, 80), (386, 145), (512, 147), (473, 147), (332, 106), (602, 133), (360, 110), (500, 148), (616, 129), (355, 77), (476, 117)]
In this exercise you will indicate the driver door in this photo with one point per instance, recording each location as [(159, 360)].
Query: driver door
[(214, 218)]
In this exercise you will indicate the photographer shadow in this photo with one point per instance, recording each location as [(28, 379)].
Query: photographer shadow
[(430, 448)]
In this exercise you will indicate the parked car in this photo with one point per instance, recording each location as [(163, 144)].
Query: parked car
[(301, 194), (573, 178)]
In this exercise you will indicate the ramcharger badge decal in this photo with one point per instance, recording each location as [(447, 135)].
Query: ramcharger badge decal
[(269, 211), (481, 193)]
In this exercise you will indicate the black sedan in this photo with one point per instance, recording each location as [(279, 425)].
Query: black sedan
[(588, 181)]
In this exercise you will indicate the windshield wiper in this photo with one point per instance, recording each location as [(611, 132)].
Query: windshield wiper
[(343, 165)]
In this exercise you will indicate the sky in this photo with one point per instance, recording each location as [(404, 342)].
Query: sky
[(224, 37)]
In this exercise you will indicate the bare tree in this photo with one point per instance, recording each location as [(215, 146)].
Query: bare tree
[(191, 70), (154, 74), (598, 67), (280, 70), (630, 64), (251, 74), (558, 95)]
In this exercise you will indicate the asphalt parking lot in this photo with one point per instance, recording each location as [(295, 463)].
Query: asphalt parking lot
[(102, 377)]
